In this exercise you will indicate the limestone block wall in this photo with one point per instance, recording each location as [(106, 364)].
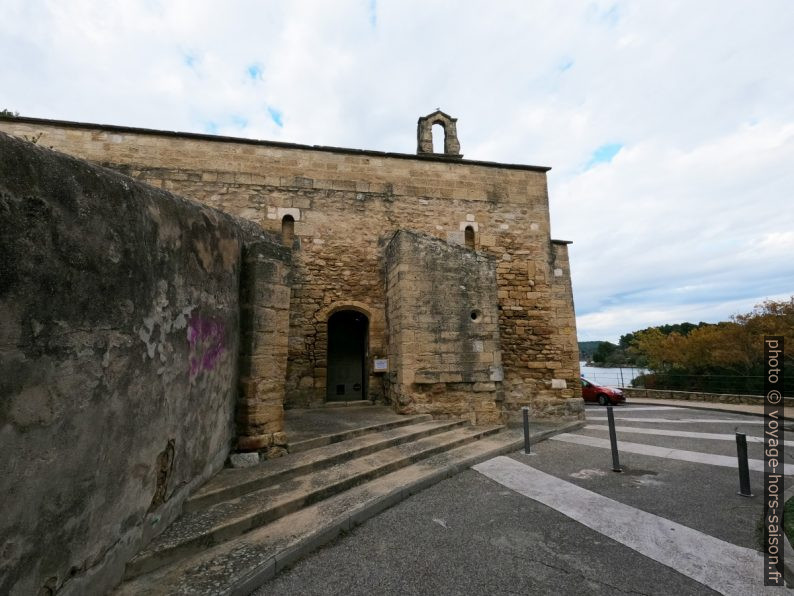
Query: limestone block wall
[(561, 350), (119, 343), (346, 205), (264, 328), (443, 330)]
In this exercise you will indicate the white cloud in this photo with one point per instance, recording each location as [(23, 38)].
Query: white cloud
[(706, 226), (689, 220)]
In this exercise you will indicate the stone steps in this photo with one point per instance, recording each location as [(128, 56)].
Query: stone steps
[(328, 439), (242, 564), (231, 483), (202, 528)]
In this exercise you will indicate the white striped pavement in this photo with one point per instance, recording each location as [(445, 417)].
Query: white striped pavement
[(665, 452), (722, 566), (679, 433), (623, 409), (684, 420)]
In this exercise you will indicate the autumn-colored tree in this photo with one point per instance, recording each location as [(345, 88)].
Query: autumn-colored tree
[(770, 318), (726, 356)]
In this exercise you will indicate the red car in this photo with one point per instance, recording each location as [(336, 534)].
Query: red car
[(603, 395)]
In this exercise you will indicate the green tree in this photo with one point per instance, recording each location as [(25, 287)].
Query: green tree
[(726, 357), (604, 350)]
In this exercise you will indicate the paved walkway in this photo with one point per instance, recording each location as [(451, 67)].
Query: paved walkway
[(560, 521), (720, 565), (695, 542)]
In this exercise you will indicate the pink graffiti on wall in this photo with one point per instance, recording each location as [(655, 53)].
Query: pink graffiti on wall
[(206, 338)]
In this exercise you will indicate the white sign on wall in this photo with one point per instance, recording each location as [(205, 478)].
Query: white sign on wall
[(380, 365)]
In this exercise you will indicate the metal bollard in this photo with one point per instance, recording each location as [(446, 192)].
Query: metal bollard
[(613, 440), (525, 411), (744, 469)]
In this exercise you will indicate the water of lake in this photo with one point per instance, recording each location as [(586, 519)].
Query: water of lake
[(612, 377)]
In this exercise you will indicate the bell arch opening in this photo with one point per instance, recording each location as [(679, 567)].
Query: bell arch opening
[(439, 136)]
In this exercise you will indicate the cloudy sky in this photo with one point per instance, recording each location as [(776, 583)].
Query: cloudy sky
[(669, 125)]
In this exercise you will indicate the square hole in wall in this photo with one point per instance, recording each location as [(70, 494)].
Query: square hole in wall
[(340, 389)]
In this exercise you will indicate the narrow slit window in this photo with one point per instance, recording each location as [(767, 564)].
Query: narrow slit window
[(287, 230), (468, 236)]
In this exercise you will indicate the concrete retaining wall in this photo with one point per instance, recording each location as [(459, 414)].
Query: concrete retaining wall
[(723, 398)]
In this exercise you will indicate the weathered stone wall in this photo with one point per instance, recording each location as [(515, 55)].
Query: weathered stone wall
[(561, 344), (722, 398), (119, 345), (346, 205), (424, 133), (443, 329), (264, 328)]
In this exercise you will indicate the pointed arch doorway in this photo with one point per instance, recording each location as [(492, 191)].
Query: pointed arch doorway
[(347, 356)]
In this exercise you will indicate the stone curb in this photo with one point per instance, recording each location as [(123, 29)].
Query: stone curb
[(335, 527), (685, 404)]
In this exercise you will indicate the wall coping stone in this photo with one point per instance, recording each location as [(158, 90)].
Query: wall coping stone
[(243, 141), (734, 398)]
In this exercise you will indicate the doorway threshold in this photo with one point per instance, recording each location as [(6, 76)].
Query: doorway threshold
[(342, 404)]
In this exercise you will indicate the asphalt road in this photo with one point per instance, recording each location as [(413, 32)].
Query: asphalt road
[(472, 535)]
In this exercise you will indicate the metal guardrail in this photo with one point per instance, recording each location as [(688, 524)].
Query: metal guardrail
[(743, 395), (745, 385)]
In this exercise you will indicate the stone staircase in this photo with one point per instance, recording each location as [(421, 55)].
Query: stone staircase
[(246, 524)]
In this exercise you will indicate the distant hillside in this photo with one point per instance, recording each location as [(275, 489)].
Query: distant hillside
[(586, 349)]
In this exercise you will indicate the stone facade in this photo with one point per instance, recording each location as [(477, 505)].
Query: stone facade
[(264, 329), (424, 134), (443, 330), (339, 208)]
